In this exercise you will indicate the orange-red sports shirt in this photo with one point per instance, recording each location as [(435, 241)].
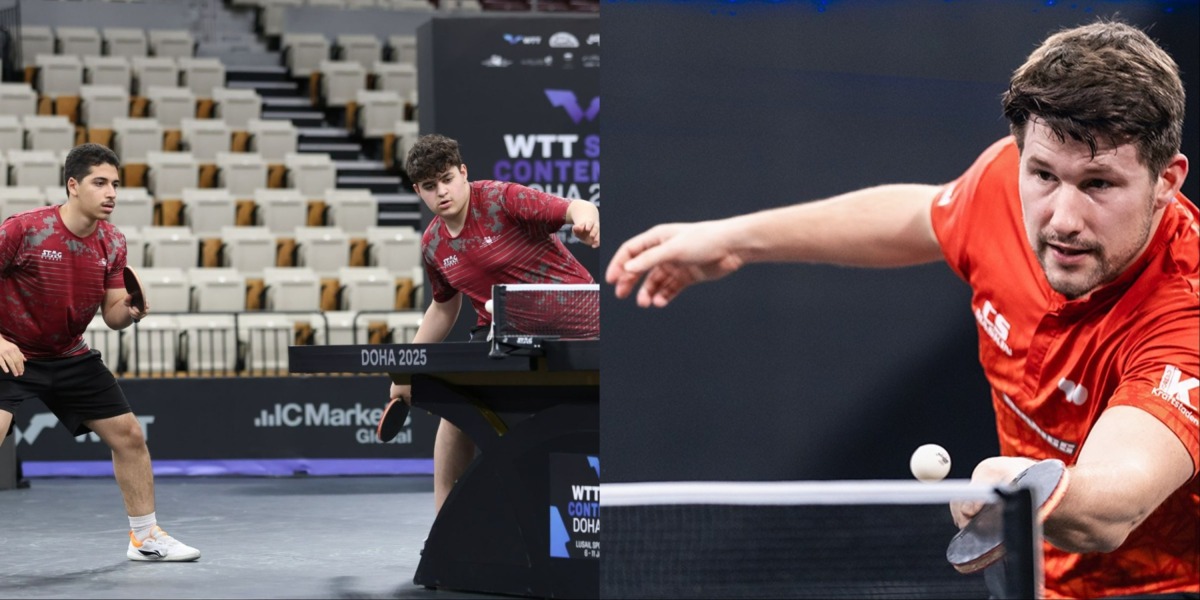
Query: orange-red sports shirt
[(1055, 365)]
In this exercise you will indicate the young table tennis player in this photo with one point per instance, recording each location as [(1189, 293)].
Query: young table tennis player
[(59, 265)]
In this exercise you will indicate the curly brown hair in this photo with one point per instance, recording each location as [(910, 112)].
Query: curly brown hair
[(1105, 80), (430, 156)]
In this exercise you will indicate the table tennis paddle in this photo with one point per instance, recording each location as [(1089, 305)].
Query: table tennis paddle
[(392, 420), (981, 542), (133, 287)]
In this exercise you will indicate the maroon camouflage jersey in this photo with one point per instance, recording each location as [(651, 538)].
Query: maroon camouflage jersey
[(509, 237), (52, 282)]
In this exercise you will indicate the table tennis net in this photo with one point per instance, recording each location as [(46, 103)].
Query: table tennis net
[(783, 540), (561, 311)]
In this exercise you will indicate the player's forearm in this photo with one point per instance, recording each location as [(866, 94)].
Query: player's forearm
[(116, 315), (582, 211), (1097, 511), (885, 226), (438, 321)]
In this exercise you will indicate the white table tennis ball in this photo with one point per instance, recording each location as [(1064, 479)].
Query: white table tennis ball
[(930, 462), (488, 306)]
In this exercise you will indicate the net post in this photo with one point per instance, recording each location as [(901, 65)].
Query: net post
[(1022, 543)]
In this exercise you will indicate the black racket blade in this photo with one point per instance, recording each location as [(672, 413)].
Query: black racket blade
[(392, 420)]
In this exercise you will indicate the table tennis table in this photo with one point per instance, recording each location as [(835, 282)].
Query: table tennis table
[(535, 420)]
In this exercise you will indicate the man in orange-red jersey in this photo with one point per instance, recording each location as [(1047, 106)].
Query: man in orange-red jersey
[(1084, 261)]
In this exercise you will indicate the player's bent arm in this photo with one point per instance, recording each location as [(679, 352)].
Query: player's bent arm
[(115, 312), (1129, 464), (439, 319), (883, 226), (582, 211)]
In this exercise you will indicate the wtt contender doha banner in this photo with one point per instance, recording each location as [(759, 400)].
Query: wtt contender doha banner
[(522, 97)]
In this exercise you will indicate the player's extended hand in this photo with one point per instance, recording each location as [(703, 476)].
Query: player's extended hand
[(671, 258), (403, 392), (991, 471), (588, 232), (12, 360)]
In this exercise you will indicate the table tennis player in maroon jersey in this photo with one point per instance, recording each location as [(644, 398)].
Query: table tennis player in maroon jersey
[(484, 233)]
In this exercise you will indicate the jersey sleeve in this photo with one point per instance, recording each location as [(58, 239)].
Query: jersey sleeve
[(538, 212), (441, 289), (965, 205), (1162, 377), (11, 237)]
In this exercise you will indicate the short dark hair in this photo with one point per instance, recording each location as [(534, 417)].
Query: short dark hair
[(1108, 80), (430, 156), (82, 158)]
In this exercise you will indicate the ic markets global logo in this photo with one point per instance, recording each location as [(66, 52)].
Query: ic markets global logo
[(566, 100)]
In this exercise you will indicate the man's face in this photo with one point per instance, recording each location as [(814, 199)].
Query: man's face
[(447, 194), (97, 193), (1086, 218)]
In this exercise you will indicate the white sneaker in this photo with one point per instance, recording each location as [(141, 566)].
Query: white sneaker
[(160, 547)]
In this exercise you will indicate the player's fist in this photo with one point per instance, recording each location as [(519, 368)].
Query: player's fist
[(588, 232)]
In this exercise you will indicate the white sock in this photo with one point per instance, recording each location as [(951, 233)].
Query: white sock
[(142, 526)]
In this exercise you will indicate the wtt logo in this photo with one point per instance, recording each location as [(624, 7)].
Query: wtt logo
[(566, 100)]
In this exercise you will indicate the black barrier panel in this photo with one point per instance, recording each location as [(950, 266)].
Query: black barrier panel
[(522, 97), (251, 418)]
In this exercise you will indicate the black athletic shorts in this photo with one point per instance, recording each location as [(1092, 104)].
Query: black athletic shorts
[(76, 389)]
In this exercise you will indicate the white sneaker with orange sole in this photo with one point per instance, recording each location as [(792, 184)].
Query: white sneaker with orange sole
[(160, 547)]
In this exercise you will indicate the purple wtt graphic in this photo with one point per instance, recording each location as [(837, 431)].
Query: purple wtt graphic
[(566, 100)]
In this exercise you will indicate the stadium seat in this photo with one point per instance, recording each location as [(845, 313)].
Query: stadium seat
[(201, 75), (281, 211), (50, 133), (170, 173), (208, 211), (133, 139), (266, 337), (310, 173), (166, 289), (402, 49), (58, 75), (135, 208), (237, 107), (12, 136), (209, 343), (102, 104), (205, 138), (154, 346), (108, 70), (16, 199), (77, 41), (17, 99), (396, 77), (363, 49), (352, 210), (153, 71), (378, 112), (33, 168), (398, 248), (304, 52), (35, 40), (273, 139), (241, 173), (403, 325), (172, 248), (407, 133), (250, 250), (124, 41), (322, 249), (171, 105), (135, 246), (340, 81), (292, 289), (217, 289), (176, 43), (367, 288)]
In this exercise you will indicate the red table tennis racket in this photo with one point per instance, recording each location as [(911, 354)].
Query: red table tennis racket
[(133, 287), (981, 542), (392, 420)]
